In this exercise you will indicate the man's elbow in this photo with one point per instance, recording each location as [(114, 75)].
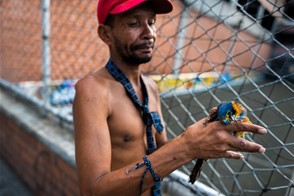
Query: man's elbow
[(86, 189), (92, 190)]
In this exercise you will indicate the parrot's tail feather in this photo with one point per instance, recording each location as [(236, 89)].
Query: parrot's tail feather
[(196, 170)]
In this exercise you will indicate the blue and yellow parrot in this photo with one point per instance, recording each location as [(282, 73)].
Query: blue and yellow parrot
[(227, 112)]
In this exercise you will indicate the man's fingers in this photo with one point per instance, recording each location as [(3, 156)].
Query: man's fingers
[(233, 155), (238, 126), (239, 144)]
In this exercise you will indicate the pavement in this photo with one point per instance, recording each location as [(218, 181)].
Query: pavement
[(10, 184)]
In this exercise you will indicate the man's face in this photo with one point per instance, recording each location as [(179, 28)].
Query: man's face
[(134, 35)]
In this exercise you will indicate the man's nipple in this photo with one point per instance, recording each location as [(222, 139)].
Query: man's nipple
[(128, 138)]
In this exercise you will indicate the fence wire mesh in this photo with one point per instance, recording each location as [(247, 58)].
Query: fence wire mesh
[(208, 51)]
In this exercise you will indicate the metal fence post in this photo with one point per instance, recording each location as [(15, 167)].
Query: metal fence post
[(178, 61), (46, 50)]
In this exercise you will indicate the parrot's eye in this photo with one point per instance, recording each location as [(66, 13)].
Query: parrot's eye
[(229, 113)]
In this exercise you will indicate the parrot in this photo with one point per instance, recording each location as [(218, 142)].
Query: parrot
[(228, 113)]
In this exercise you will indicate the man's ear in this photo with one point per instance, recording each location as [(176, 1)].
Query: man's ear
[(104, 33)]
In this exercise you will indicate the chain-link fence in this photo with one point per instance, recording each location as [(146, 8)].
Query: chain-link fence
[(208, 51)]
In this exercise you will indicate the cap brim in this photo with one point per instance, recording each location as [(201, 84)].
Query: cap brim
[(159, 6)]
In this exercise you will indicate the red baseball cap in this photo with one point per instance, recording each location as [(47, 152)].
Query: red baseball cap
[(106, 7)]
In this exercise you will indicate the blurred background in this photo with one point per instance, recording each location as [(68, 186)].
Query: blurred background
[(207, 52)]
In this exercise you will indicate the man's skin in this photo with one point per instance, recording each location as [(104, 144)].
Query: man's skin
[(109, 132)]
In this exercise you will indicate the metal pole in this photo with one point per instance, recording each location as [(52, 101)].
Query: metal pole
[(46, 50), (180, 41)]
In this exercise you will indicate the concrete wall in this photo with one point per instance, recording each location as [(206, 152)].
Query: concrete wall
[(40, 151)]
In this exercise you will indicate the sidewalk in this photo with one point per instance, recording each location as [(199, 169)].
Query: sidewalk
[(10, 185)]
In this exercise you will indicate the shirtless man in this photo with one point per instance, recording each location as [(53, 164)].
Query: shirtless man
[(110, 134)]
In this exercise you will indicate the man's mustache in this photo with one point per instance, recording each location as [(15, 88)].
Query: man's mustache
[(146, 44)]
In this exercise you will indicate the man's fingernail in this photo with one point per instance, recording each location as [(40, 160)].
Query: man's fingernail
[(262, 130), (261, 150)]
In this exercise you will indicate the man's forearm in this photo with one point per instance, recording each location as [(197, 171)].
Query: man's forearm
[(164, 161)]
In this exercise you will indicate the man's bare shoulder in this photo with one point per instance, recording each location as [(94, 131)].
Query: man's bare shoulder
[(94, 90), (96, 82), (151, 84)]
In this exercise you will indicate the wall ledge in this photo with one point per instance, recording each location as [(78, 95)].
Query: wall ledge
[(46, 130)]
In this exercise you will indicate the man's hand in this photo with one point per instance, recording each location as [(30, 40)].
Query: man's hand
[(216, 141), (219, 140)]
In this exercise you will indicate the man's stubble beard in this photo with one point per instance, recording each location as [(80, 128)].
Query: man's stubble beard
[(132, 58)]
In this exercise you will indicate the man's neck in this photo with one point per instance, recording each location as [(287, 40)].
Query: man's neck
[(132, 71)]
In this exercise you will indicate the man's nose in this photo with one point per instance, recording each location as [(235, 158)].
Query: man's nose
[(148, 32)]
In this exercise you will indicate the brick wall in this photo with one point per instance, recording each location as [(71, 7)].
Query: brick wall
[(27, 145), (76, 49)]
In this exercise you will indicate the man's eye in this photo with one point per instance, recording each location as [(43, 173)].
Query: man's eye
[(133, 24)]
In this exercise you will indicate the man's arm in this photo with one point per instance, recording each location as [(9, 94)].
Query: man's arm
[(92, 139)]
